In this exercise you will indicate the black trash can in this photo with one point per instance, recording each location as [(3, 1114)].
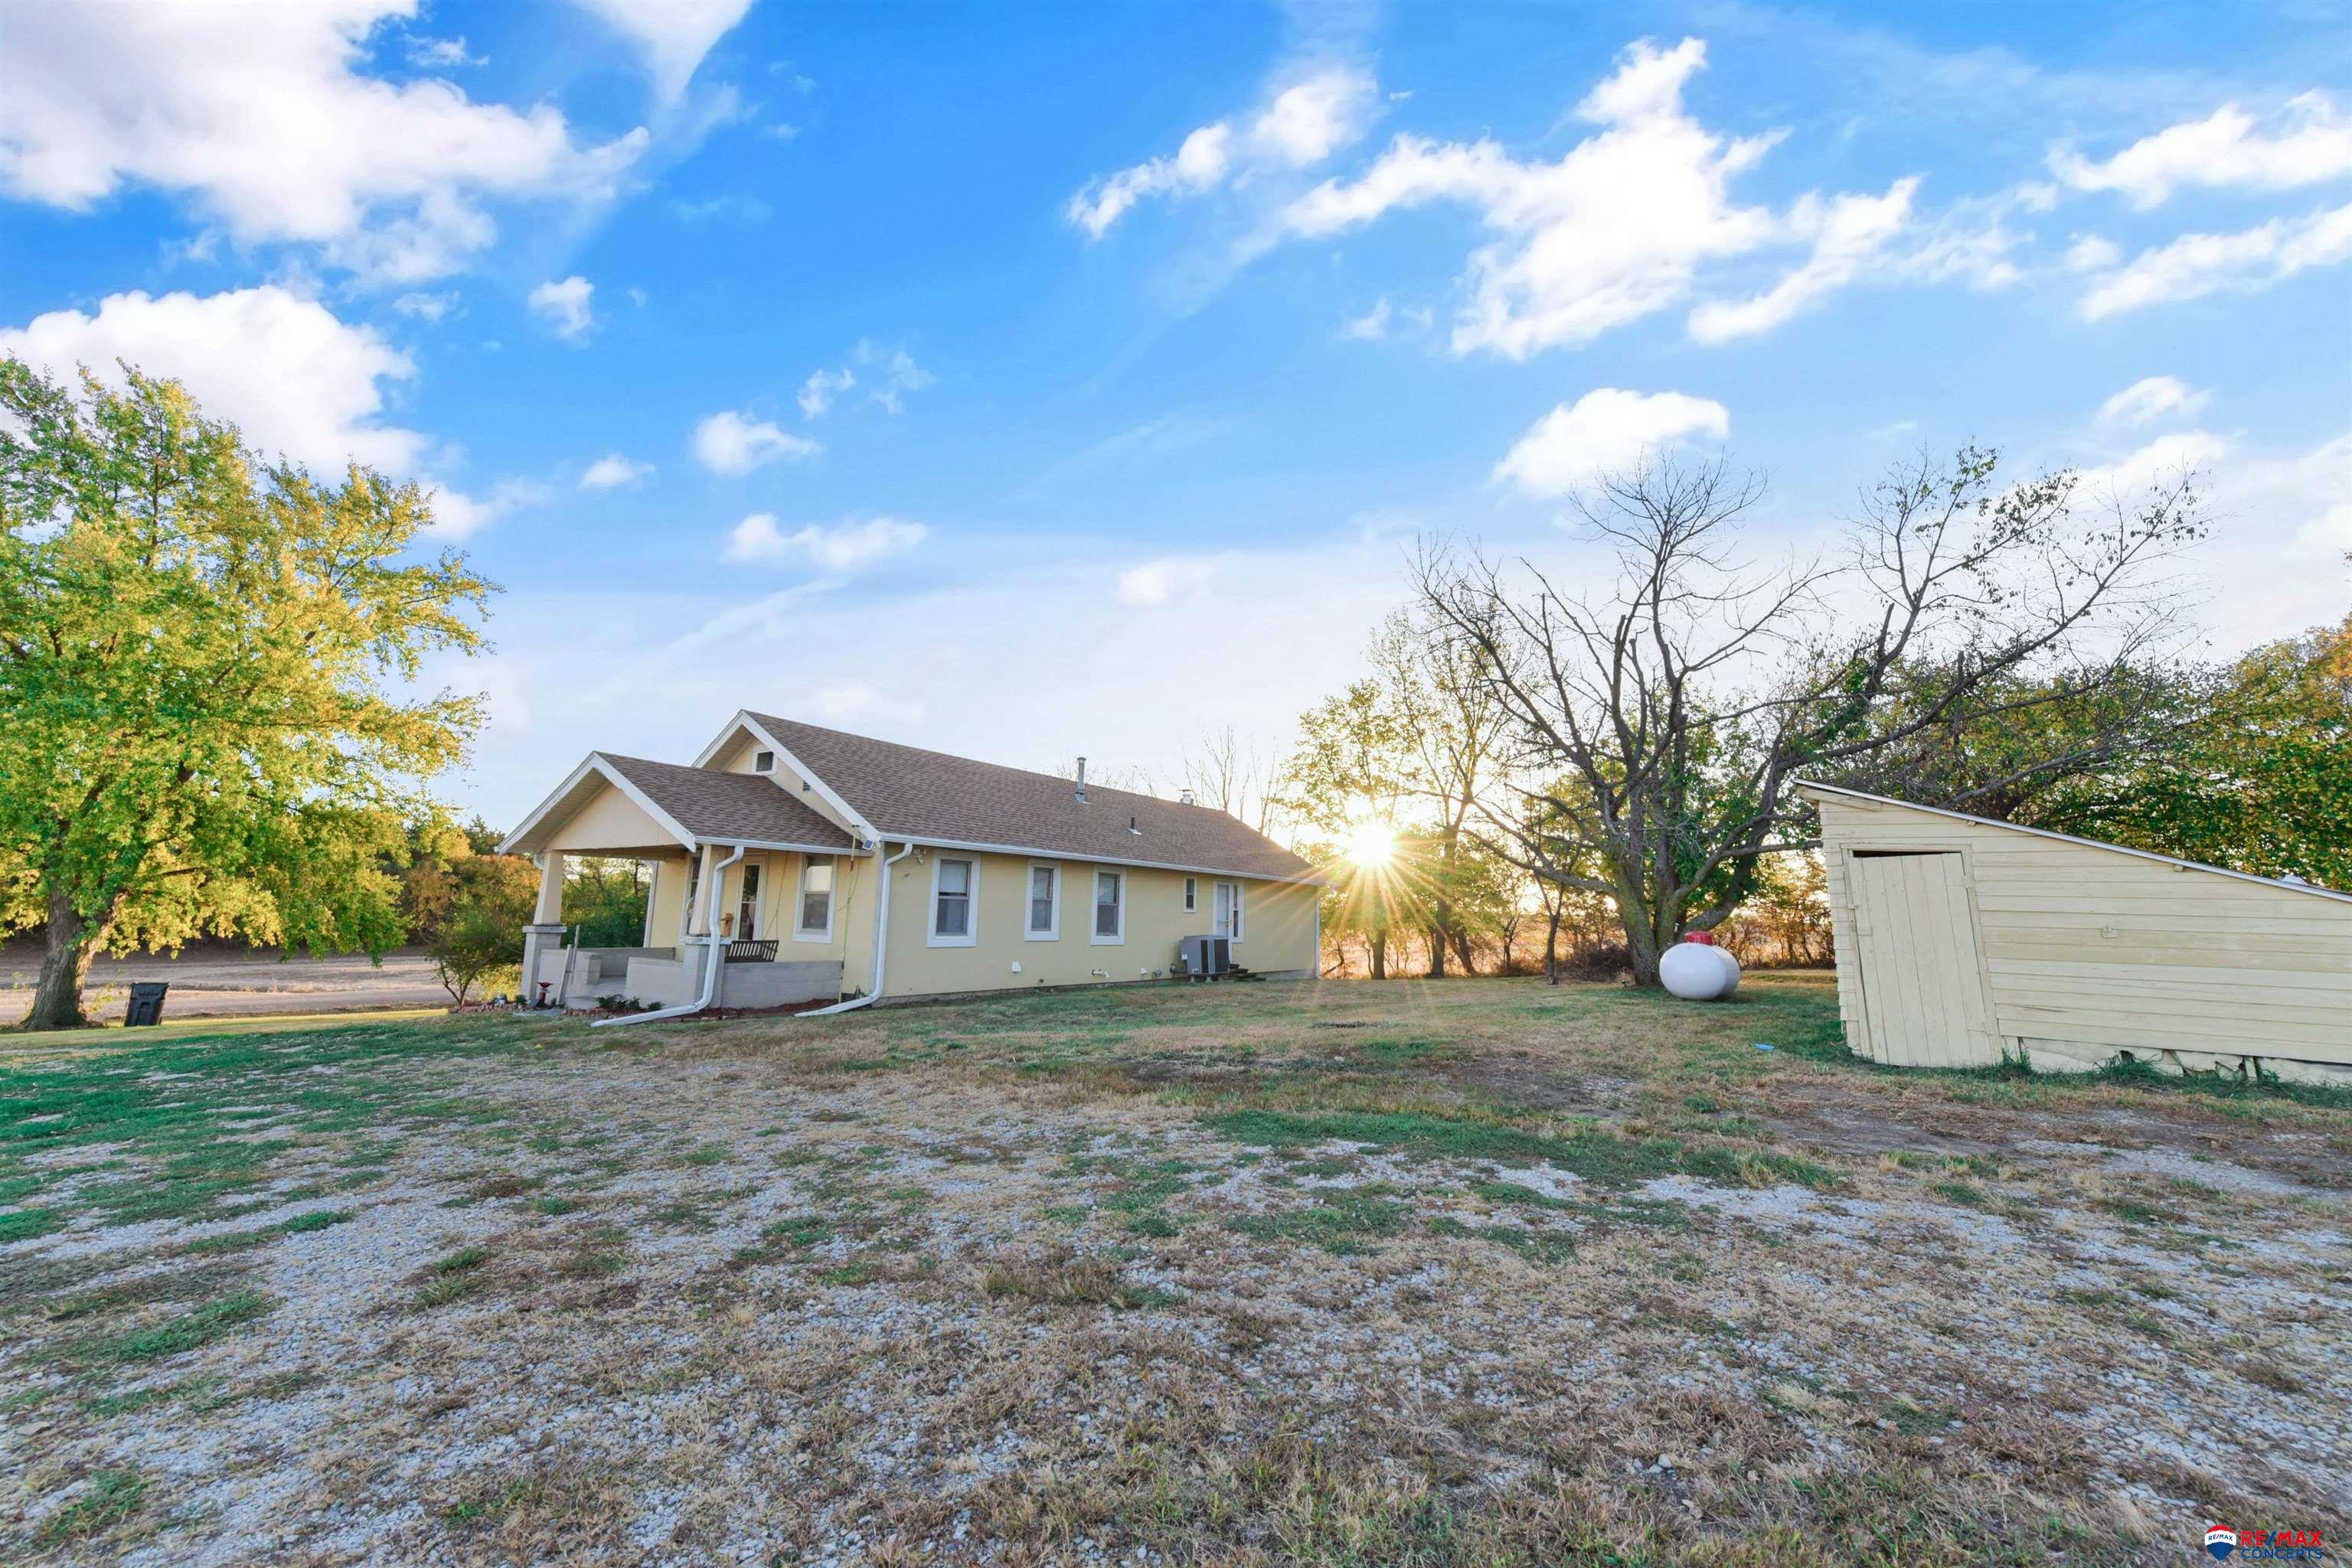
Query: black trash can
[(146, 1003)]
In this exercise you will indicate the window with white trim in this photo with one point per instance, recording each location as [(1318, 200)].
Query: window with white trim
[(815, 923), (763, 761), (1044, 921), (1111, 907), (955, 890), (1191, 894)]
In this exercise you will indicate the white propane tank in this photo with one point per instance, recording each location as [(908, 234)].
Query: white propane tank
[(1699, 971)]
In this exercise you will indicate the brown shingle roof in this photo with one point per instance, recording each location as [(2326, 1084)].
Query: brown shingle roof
[(905, 791), (712, 804)]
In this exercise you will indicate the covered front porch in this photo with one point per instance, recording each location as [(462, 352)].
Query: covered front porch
[(732, 920)]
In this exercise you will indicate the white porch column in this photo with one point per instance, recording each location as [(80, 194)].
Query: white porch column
[(546, 928), (551, 889)]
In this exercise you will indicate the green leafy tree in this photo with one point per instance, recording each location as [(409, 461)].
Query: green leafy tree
[(2259, 780), (474, 943), (605, 900), (1348, 782), (199, 653)]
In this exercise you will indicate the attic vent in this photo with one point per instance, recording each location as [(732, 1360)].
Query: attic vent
[(763, 761), (1131, 827)]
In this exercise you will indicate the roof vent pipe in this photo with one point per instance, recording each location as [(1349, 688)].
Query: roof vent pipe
[(1080, 793), (1132, 826), (1186, 799)]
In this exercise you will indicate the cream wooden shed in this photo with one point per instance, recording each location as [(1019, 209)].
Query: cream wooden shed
[(1960, 941)]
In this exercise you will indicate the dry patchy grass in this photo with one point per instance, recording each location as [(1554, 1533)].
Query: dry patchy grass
[(1473, 1273)]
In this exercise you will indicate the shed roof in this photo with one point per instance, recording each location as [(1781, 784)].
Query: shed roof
[(907, 791), (1806, 786)]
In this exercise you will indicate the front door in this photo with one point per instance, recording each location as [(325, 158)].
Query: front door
[(747, 913), (1922, 987), (1223, 924)]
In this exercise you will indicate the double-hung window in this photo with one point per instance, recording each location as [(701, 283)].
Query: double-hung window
[(1111, 907), (955, 889), (1191, 894), (815, 923), (1045, 916)]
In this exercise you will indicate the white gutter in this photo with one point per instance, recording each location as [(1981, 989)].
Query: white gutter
[(881, 943), (711, 966)]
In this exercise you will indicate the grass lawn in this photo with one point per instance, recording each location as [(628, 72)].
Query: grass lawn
[(1475, 1272)]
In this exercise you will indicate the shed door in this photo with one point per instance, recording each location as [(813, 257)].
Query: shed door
[(1922, 989)]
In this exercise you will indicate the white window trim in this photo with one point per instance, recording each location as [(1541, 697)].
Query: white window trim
[(1241, 915), (1028, 897), (800, 898), (1191, 895), (1093, 888), (756, 755), (932, 937)]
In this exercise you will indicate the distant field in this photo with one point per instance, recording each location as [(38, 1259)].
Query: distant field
[(216, 979), (1468, 1273)]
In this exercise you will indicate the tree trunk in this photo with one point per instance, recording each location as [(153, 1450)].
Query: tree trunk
[(65, 965), (1380, 956), (1437, 953), (1462, 951), (1641, 943), (1551, 948)]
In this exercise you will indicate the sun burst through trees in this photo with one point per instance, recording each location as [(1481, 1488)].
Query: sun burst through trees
[(1372, 846)]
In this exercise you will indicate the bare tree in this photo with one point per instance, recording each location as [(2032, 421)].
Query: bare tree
[(1233, 775), (1665, 721)]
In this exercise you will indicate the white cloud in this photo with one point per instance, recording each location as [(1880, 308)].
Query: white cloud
[(1307, 123), (1613, 230), (817, 391), (438, 54), (1848, 234), (426, 307), (2152, 397), (564, 307), (727, 443), (1372, 326), (294, 378), (674, 35), (457, 515), (272, 131), (1157, 582), (611, 472), (1606, 431), (1197, 166), (835, 549), (2092, 253), (1302, 124), (2199, 264), (2309, 141), (2161, 462), (899, 372)]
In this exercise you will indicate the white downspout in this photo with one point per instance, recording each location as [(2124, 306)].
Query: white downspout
[(881, 943), (710, 967)]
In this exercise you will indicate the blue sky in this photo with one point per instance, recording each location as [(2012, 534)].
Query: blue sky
[(1025, 382)]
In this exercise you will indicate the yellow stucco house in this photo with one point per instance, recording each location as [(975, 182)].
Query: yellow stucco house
[(792, 863)]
